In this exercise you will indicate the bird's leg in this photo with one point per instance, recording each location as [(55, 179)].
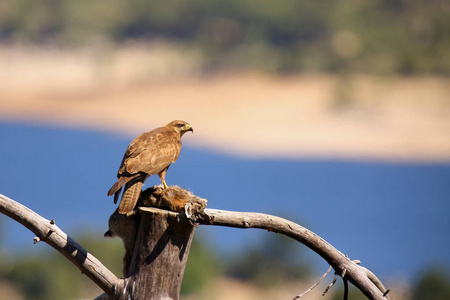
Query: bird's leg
[(162, 176)]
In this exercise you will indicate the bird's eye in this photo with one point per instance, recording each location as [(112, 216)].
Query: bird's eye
[(180, 125)]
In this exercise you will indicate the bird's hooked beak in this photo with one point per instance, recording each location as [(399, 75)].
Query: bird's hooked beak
[(189, 128)]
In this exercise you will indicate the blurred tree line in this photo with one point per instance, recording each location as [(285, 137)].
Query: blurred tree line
[(49, 275), (381, 37), (431, 283), (40, 272), (274, 261)]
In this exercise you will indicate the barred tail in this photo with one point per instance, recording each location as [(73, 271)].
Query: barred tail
[(130, 195)]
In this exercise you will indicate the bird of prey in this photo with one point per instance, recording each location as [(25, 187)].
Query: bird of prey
[(149, 154)]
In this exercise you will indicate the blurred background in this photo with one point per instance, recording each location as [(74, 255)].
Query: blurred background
[(335, 115)]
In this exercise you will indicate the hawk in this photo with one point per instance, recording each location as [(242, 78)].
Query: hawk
[(149, 154)]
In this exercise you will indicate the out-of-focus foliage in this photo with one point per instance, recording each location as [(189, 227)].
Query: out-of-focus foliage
[(433, 284), (52, 276), (382, 37), (353, 293), (277, 259), (201, 268)]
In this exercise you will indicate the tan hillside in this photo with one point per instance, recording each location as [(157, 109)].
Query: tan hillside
[(135, 89)]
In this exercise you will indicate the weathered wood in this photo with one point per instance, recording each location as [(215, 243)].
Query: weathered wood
[(156, 242), (162, 245), (361, 277), (159, 258)]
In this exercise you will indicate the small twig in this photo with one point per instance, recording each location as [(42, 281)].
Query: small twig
[(345, 288), (374, 279), (314, 285), (331, 284), (36, 240)]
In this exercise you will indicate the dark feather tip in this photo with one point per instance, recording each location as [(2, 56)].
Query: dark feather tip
[(109, 234)]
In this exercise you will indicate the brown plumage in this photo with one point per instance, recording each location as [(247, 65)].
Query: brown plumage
[(149, 154)]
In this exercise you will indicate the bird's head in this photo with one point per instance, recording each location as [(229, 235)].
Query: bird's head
[(180, 126)]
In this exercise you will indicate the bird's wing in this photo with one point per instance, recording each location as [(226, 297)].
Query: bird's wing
[(117, 187), (136, 152), (153, 153), (140, 143)]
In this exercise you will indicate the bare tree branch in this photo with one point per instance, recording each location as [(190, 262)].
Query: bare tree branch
[(346, 288), (313, 286), (330, 285), (340, 263), (376, 281), (48, 232)]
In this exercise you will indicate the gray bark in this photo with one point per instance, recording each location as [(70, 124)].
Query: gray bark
[(159, 259), (158, 243)]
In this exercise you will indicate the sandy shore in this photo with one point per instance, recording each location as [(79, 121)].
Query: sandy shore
[(250, 114)]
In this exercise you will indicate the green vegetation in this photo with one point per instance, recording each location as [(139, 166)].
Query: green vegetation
[(52, 276), (382, 37), (353, 293), (202, 267), (49, 275), (275, 260), (433, 284)]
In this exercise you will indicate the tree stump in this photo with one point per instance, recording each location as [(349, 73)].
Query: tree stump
[(157, 243), (160, 256)]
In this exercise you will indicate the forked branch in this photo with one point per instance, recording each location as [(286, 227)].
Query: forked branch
[(362, 278)]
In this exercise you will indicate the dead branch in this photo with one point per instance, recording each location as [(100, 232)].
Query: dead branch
[(362, 278), (330, 285), (313, 286), (340, 263), (376, 281), (50, 233), (346, 288)]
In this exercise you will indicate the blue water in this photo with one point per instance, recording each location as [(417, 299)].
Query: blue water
[(395, 218)]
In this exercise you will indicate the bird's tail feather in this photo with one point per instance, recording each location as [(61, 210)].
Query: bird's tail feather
[(130, 195), (118, 185), (116, 195)]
